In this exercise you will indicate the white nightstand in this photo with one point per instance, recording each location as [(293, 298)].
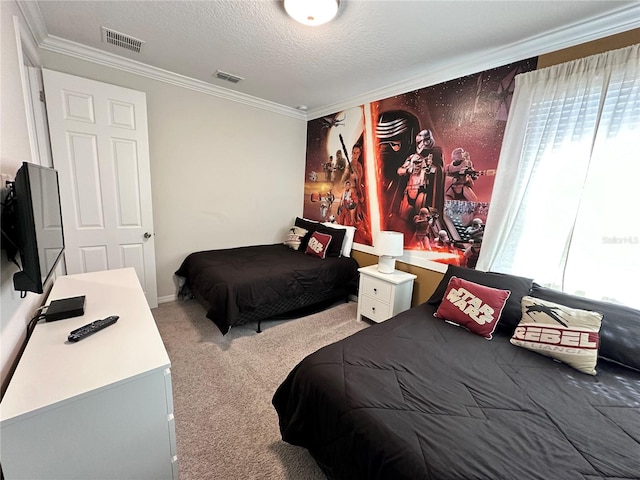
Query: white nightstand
[(383, 295)]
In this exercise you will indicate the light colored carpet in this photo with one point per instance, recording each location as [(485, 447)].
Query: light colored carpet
[(226, 427)]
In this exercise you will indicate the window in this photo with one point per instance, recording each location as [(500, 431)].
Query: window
[(566, 205)]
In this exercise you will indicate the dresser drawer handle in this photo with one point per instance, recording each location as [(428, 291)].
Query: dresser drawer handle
[(373, 309), (375, 290)]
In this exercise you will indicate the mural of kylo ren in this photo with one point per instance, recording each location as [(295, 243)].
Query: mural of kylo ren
[(413, 173), (437, 150)]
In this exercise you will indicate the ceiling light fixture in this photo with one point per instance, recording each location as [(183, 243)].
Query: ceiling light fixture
[(312, 12)]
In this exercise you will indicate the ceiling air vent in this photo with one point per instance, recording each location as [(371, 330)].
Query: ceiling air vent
[(227, 76), (121, 40)]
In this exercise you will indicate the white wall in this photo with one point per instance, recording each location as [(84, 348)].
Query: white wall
[(223, 174), (14, 149)]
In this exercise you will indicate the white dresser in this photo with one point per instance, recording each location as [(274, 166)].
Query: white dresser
[(383, 295), (101, 408)]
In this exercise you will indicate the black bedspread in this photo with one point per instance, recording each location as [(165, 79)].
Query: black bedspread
[(241, 280), (418, 398)]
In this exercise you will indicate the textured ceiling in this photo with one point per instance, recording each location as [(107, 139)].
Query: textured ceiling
[(370, 45)]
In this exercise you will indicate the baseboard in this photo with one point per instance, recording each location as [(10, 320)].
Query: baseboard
[(167, 298)]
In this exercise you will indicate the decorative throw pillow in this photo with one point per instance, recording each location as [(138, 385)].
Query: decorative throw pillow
[(619, 333), (318, 244), (309, 226), (474, 306), (566, 334), (518, 286), (347, 243), (293, 238), (337, 237)]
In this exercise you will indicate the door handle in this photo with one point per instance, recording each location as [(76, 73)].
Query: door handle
[(147, 235)]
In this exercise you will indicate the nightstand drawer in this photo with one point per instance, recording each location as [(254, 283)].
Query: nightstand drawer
[(376, 288), (374, 309)]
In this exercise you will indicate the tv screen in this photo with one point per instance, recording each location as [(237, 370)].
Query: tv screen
[(38, 217)]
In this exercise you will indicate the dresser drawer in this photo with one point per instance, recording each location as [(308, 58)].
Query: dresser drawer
[(374, 309), (375, 288)]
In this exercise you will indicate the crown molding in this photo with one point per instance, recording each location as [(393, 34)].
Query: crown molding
[(35, 22), (90, 54), (34, 19), (618, 21)]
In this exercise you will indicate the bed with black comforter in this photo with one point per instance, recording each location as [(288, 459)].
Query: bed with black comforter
[(418, 398), (245, 284)]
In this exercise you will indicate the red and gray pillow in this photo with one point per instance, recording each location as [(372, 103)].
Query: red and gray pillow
[(318, 245), (473, 306), (335, 248), (518, 286)]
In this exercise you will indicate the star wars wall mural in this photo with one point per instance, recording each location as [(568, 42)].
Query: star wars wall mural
[(421, 163), (336, 189)]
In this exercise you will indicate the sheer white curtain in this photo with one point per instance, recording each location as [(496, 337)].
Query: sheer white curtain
[(565, 208)]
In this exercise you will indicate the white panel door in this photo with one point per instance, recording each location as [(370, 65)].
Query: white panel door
[(99, 142)]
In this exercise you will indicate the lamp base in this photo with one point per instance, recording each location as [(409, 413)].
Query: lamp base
[(386, 264)]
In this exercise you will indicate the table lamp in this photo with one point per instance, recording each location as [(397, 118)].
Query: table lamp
[(387, 246)]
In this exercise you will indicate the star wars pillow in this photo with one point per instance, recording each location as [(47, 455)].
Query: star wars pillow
[(294, 237), (318, 245), (518, 286), (474, 306), (557, 331)]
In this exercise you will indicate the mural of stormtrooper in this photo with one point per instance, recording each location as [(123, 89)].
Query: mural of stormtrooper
[(420, 172), (324, 209), (425, 228), (443, 242), (476, 232), (463, 176), (417, 180), (424, 177), (326, 202)]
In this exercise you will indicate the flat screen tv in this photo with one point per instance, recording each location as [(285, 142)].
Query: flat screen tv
[(38, 225)]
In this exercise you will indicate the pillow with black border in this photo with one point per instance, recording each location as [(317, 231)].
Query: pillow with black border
[(476, 307), (570, 335), (319, 245), (349, 234), (620, 331), (519, 287), (337, 237)]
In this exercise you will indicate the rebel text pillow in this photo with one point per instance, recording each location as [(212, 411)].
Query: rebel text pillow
[(476, 307), (566, 334), (294, 237)]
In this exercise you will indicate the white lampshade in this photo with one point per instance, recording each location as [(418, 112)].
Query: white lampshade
[(312, 12), (388, 245)]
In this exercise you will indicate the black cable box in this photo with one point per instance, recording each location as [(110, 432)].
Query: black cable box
[(65, 308)]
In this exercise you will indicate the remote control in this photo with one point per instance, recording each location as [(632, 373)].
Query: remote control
[(91, 328)]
